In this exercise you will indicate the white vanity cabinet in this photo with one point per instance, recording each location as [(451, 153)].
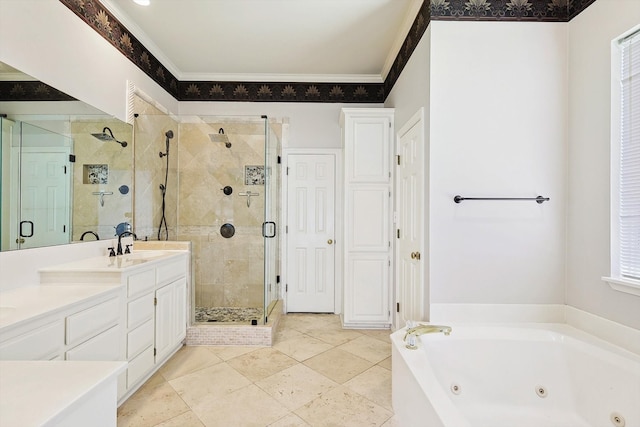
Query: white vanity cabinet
[(154, 303), (156, 317), (368, 145)]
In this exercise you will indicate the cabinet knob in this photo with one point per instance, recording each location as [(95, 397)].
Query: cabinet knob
[(415, 255)]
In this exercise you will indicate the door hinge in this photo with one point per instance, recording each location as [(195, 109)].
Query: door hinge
[(286, 229), (155, 351), (286, 287), (65, 169), (389, 263), (397, 307), (389, 243), (398, 159), (278, 278), (279, 159), (287, 170), (398, 233), (64, 228), (155, 301)]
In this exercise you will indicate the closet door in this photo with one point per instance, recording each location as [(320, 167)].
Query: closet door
[(368, 219)]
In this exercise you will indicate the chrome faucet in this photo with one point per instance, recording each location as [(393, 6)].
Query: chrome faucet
[(124, 233), (422, 329)]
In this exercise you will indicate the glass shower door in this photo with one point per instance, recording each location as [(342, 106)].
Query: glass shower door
[(270, 227)]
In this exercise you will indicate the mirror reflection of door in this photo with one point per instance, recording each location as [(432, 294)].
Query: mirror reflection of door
[(39, 203)]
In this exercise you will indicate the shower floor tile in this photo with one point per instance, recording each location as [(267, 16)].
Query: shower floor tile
[(228, 314)]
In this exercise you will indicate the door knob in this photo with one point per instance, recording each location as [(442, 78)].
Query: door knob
[(330, 241), (413, 255)]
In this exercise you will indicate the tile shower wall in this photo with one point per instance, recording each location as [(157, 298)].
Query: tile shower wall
[(149, 129), (228, 271), (87, 210)]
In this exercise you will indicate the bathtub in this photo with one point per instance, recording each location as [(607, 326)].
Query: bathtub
[(542, 375)]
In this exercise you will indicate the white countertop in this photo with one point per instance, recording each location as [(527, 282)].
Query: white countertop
[(113, 264), (31, 302), (34, 393)]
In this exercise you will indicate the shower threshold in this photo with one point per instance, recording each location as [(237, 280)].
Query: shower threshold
[(238, 332)]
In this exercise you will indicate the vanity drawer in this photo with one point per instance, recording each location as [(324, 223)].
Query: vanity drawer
[(141, 282), (139, 339), (92, 321), (140, 366), (39, 344), (104, 346), (140, 310), (171, 271)]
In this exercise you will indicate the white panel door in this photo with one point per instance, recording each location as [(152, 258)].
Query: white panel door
[(311, 233), (44, 198), (409, 257)]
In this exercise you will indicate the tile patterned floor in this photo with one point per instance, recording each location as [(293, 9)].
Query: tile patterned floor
[(316, 374)]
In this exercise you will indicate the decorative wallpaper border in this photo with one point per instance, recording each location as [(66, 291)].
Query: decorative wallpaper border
[(281, 92), (31, 91), (101, 20)]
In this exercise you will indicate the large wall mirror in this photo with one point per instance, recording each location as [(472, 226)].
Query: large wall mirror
[(66, 169)]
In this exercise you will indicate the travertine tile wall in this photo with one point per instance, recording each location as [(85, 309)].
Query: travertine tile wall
[(228, 272), (88, 214), (149, 129)]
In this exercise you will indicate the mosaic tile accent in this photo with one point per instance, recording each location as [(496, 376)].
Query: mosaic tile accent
[(212, 334), (228, 314), (254, 175), (99, 18), (31, 91), (96, 174)]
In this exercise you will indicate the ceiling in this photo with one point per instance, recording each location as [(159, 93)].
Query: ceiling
[(271, 40)]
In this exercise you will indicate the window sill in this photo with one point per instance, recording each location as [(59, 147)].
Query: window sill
[(622, 284)]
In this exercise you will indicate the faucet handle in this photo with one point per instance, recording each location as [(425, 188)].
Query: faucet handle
[(127, 250), (112, 252)]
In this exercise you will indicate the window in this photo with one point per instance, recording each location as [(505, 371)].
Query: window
[(625, 165)]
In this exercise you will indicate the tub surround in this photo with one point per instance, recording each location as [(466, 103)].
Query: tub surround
[(66, 393), (607, 330)]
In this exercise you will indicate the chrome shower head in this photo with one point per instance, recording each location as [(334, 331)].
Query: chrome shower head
[(220, 137), (106, 137)]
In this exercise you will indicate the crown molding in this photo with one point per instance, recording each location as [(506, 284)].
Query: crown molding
[(273, 78), (403, 31)]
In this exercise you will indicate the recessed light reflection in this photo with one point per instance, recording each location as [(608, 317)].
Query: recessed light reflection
[(142, 2)]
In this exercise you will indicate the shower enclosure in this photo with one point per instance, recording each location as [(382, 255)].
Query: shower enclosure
[(220, 185)]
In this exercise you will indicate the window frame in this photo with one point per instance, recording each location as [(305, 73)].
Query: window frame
[(616, 280)]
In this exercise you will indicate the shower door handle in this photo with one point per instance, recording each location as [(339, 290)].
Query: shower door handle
[(22, 223), (264, 229)]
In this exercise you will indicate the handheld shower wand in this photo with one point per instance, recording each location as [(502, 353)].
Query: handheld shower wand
[(169, 135), (163, 188)]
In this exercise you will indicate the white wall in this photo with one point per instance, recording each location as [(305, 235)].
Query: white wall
[(20, 268), (410, 93), (310, 125), (46, 40), (498, 128), (588, 232)]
